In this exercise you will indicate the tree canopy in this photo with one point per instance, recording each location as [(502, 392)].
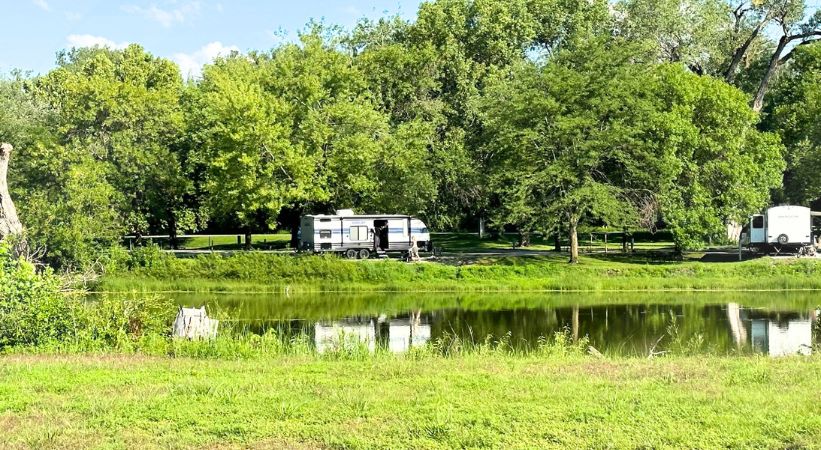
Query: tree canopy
[(539, 115)]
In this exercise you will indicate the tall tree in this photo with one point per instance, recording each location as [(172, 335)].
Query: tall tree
[(793, 112), (122, 108), (561, 135), (598, 136)]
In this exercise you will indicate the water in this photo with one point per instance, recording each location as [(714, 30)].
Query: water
[(619, 324)]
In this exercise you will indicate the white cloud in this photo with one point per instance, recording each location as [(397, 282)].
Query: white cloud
[(191, 63), (87, 40), (165, 17), (42, 4)]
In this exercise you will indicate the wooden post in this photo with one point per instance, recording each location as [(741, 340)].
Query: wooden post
[(605, 242), (211, 243)]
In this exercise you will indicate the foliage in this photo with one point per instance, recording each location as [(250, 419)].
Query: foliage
[(794, 113), (423, 117), (594, 136), (33, 310)]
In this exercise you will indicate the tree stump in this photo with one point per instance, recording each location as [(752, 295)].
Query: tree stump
[(9, 222)]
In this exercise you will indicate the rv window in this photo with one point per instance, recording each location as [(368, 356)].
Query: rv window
[(324, 220), (324, 234), (758, 222), (359, 233)]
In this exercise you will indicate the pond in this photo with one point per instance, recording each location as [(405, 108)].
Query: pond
[(615, 323)]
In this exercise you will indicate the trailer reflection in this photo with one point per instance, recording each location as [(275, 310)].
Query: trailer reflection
[(397, 334)]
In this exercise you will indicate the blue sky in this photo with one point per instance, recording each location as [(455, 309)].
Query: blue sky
[(191, 32)]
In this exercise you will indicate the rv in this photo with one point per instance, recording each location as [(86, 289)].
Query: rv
[(353, 235), (782, 228)]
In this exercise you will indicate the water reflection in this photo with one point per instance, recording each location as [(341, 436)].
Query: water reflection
[(621, 324), (777, 334), (395, 334)]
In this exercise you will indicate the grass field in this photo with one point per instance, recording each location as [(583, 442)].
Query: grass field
[(472, 401), (261, 272)]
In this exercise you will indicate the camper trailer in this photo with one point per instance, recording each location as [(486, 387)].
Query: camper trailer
[(353, 235), (782, 228)]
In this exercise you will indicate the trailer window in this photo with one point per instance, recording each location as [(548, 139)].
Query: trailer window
[(758, 222), (324, 234), (359, 233)]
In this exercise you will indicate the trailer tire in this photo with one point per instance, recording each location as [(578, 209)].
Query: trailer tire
[(364, 253), (783, 239), (351, 253)]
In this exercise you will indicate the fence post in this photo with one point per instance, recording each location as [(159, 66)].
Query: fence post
[(605, 242)]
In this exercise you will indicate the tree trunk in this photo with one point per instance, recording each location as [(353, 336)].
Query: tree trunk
[(172, 231), (729, 75), (624, 238), (9, 222), (247, 239), (557, 239), (574, 240), (758, 102)]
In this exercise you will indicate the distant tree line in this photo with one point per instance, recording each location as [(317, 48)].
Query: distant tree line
[(533, 115)]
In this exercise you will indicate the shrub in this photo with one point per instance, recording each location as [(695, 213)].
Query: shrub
[(33, 310)]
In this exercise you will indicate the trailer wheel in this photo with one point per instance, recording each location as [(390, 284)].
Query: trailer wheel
[(364, 253), (783, 239), (351, 253)]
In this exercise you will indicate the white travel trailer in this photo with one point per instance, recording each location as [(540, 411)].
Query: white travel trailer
[(781, 228), (353, 235)]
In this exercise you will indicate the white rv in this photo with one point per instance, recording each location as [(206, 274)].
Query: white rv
[(353, 235), (782, 228)]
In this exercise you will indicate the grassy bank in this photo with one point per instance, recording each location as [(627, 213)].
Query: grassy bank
[(488, 400), (259, 272)]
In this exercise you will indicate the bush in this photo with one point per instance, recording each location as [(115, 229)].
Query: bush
[(124, 323), (33, 310)]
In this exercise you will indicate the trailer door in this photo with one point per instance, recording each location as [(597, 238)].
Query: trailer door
[(757, 230)]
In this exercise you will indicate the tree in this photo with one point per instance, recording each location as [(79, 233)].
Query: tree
[(789, 16), (122, 108), (297, 127), (693, 32), (561, 136), (793, 113), (9, 223), (599, 135)]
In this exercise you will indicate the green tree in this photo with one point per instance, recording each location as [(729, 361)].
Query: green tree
[(122, 109), (793, 113), (297, 127), (599, 136), (562, 138)]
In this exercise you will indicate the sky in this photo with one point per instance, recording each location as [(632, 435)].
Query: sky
[(190, 32)]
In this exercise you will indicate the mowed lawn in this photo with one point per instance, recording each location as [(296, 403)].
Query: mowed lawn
[(474, 401)]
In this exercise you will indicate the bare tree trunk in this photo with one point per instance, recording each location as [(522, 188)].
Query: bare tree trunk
[(729, 75), (574, 240), (758, 102), (9, 222)]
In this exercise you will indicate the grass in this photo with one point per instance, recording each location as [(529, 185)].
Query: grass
[(278, 241), (415, 401), (259, 272)]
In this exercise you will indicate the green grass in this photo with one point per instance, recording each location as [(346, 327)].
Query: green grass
[(470, 242), (259, 272), (278, 241), (423, 401)]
